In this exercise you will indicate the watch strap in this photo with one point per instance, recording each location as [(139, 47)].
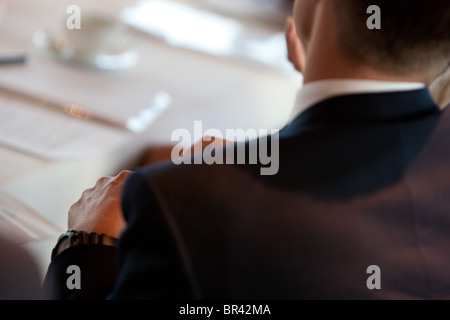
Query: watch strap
[(72, 238)]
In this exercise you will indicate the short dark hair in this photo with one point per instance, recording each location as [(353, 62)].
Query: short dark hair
[(414, 35)]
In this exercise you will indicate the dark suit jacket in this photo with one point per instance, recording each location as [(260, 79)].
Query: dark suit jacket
[(364, 180)]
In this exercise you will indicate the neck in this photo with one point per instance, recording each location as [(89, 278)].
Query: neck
[(326, 61)]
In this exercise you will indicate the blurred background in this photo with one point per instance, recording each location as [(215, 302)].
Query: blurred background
[(93, 87)]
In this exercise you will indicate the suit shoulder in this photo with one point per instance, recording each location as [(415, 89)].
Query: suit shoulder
[(170, 171)]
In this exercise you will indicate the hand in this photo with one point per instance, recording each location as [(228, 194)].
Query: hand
[(99, 208), (296, 52)]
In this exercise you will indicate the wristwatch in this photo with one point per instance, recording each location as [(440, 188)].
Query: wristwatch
[(72, 238)]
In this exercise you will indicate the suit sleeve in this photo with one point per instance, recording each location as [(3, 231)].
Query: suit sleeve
[(150, 266), (145, 265), (96, 274)]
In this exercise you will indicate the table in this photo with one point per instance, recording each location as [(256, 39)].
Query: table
[(228, 94)]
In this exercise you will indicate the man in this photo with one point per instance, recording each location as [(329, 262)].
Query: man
[(359, 208)]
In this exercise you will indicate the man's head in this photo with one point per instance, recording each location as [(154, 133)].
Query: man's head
[(413, 39)]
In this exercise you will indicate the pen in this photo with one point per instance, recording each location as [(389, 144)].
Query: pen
[(136, 124), (70, 109), (10, 59)]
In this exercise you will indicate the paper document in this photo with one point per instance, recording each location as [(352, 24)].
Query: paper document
[(22, 224), (50, 134), (60, 112)]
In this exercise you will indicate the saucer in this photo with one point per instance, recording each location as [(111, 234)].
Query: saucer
[(111, 59)]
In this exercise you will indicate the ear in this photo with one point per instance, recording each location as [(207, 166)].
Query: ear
[(304, 13)]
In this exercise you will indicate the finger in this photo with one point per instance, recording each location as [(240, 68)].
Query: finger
[(122, 175), (99, 182), (98, 188), (104, 181)]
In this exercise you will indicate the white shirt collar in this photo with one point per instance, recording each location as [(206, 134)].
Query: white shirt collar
[(314, 92)]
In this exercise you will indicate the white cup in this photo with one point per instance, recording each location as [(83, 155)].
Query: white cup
[(95, 36)]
